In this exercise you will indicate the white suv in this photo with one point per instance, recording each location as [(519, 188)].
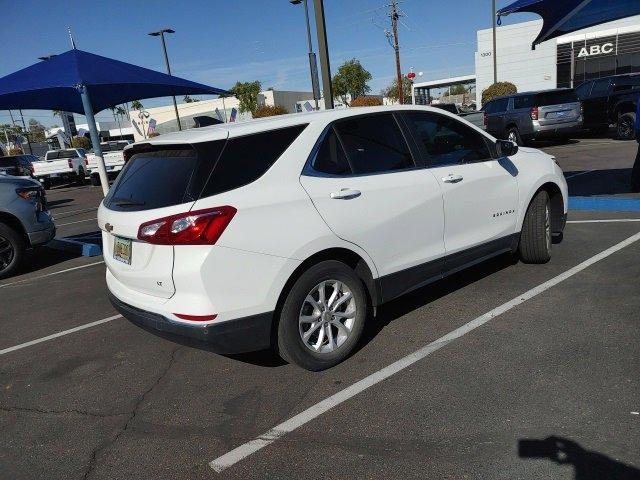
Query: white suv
[(285, 232)]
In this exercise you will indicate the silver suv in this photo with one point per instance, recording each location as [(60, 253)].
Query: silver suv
[(24, 220), (530, 116)]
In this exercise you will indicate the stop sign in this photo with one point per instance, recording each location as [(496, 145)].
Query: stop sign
[(411, 75)]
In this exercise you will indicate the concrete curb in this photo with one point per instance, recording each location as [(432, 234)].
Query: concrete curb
[(604, 204), (78, 246)]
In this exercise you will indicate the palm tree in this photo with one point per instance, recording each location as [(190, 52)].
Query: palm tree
[(137, 105), (116, 116)]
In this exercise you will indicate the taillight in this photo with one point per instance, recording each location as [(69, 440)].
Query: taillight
[(200, 227), (86, 161), (29, 193), (534, 113), (70, 163), (196, 318), (32, 170)]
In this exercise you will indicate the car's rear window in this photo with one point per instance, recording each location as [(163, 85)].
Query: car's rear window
[(8, 161), (154, 179), (157, 177), (555, 98)]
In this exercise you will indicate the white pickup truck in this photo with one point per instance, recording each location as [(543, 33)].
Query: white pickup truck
[(113, 160), (67, 165)]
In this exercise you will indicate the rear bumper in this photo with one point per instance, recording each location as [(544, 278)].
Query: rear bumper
[(541, 131), (248, 334), (42, 236)]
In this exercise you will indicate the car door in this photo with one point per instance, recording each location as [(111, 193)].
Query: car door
[(364, 182), (480, 192), (598, 104)]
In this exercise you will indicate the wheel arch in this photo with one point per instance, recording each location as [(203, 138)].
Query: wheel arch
[(622, 108), (341, 254), (15, 223), (556, 204)]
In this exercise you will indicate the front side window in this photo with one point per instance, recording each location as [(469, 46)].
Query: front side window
[(374, 144), (448, 141), (600, 87)]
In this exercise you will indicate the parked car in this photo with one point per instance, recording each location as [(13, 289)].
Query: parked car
[(611, 101), (288, 231), (25, 221), (534, 115), (475, 117), (18, 165), (66, 165), (113, 160)]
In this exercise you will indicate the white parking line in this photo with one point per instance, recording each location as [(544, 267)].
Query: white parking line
[(578, 174), (607, 220), (59, 334), (79, 221), (51, 274), (234, 456), (83, 210)]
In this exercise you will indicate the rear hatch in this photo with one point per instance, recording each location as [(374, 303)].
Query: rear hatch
[(157, 181), (558, 107), (8, 166)]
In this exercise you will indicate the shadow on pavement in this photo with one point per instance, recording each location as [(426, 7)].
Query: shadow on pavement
[(395, 309), (587, 464), (40, 258), (600, 182), (53, 204)]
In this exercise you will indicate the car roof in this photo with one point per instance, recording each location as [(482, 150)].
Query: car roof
[(230, 130), (536, 92)]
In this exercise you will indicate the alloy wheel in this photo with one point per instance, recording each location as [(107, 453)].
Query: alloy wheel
[(327, 316), (6, 253)]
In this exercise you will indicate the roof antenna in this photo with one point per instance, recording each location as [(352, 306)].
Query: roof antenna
[(73, 42)]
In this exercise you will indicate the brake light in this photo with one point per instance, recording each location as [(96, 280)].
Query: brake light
[(29, 193), (32, 170), (200, 227), (86, 161), (534, 113), (70, 163)]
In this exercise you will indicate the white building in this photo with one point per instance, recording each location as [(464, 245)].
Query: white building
[(163, 119), (608, 49)]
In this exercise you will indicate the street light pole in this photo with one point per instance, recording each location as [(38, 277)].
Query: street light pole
[(313, 65), (161, 33), (494, 55), (323, 50)]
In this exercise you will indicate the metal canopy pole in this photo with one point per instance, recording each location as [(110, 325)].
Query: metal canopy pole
[(95, 137)]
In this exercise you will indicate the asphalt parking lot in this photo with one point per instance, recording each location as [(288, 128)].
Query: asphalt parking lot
[(457, 380)]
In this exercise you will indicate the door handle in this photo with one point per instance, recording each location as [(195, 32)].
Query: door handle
[(346, 194), (453, 179)]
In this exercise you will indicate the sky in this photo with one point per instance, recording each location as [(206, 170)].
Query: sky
[(219, 42)]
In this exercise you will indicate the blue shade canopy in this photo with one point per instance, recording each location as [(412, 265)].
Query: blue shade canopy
[(52, 84), (565, 16)]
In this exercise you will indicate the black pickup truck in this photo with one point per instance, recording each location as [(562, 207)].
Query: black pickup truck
[(611, 101)]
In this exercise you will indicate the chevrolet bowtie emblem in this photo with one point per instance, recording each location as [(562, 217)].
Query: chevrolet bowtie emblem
[(108, 227)]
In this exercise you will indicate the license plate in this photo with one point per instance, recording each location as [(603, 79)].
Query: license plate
[(122, 250)]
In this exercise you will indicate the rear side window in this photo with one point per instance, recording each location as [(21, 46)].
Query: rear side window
[(448, 141), (555, 98), (51, 155), (600, 87), (245, 159), (331, 158), (67, 154), (154, 180), (8, 161), (584, 90), (374, 144), (523, 101), (501, 105)]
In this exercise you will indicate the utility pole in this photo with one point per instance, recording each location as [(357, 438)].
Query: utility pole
[(494, 55), (395, 15), (161, 33), (323, 51)]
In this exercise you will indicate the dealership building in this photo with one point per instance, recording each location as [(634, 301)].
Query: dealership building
[(608, 49)]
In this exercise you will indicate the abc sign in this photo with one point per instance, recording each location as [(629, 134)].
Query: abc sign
[(596, 50)]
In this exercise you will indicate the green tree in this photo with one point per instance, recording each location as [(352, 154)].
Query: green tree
[(351, 79), (247, 95), (36, 131), (81, 142), (137, 105), (457, 90), (498, 90), (392, 90), (188, 99), (269, 111)]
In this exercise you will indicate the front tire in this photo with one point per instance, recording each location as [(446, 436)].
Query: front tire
[(536, 236), (322, 317), (12, 247)]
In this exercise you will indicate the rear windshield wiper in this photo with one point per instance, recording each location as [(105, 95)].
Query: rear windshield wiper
[(123, 202)]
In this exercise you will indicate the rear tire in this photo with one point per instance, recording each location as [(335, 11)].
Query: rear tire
[(80, 179), (308, 331), (513, 135), (12, 247), (95, 180), (536, 237), (625, 127), (46, 184)]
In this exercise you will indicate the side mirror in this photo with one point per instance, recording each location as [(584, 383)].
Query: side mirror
[(506, 148)]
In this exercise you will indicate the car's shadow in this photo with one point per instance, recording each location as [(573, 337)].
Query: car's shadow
[(39, 259), (584, 183)]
